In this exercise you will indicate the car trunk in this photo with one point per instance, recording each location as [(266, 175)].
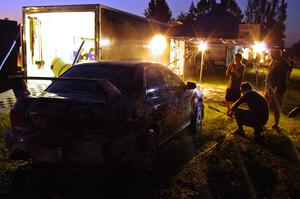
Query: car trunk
[(81, 129), (68, 114)]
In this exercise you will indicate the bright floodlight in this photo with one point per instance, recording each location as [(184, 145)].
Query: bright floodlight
[(202, 46), (158, 45), (245, 53), (259, 47)]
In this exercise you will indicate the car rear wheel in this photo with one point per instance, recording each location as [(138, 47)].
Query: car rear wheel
[(196, 119)]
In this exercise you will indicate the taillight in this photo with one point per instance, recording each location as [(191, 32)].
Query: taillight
[(16, 119)]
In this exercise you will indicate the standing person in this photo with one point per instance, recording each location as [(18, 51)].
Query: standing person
[(235, 72), (292, 62), (275, 84), (257, 114), (20, 88)]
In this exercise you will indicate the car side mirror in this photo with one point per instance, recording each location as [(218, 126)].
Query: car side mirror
[(190, 85), (150, 93)]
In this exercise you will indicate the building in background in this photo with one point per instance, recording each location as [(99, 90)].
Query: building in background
[(224, 36)]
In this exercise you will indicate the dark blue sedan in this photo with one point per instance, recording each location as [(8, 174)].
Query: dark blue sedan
[(105, 113)]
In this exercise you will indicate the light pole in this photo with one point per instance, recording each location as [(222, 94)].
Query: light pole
[(202, 47)]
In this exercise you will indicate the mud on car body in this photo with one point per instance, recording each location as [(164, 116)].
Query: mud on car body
[(121, 116)]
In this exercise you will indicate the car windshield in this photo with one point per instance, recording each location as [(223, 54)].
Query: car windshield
[(119, 75)]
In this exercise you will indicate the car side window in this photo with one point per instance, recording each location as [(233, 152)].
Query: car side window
[(154, 82), (171, 80)]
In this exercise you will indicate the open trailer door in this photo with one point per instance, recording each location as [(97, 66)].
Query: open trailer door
[(9, 48), (53, 34)]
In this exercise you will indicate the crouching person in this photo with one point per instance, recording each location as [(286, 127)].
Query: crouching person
[(257, 114)]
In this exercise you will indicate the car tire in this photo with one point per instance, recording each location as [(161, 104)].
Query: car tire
[(196, 119), (147, 155)]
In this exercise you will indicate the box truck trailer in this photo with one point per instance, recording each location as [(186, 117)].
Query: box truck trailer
[(52, 35)]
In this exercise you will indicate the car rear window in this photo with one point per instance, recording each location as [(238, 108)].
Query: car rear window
[(120, 76)]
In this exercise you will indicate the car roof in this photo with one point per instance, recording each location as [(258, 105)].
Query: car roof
[(130, 64)]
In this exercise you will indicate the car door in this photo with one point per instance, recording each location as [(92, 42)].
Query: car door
[(181, 97), (160, 101)]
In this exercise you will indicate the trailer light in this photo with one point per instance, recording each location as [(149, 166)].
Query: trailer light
[(158, 45), (259, 47), (202, 46), (104, 42)]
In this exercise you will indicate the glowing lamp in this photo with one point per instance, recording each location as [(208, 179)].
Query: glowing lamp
[(158, 45), (259, 47), (202, 46)]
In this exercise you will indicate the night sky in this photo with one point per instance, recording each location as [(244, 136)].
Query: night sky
[(12, 9)]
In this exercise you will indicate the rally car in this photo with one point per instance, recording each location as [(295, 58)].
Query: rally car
[(105, 113)]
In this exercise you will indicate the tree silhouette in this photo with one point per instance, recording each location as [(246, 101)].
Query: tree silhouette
[(182, 17), (278, 32), (233, 7), (190, 15), (195, 11), (204, 6), (158, 10), (271, 14), (295, 48)]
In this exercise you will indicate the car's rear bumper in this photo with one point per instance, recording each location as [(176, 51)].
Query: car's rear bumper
[(80, 149)]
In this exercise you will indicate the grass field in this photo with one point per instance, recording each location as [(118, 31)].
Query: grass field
[(228, 166), (215, 164)]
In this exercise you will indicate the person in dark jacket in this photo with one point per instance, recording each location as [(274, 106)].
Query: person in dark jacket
[(257, 114), (275, 83), (235, 72)]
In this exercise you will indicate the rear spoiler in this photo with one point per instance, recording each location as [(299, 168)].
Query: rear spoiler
[(109, 88), (51, 78)]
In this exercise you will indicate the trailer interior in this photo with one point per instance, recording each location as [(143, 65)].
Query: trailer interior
[(57, 35)]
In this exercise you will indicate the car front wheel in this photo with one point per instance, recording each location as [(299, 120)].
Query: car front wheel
[(196, 119)]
